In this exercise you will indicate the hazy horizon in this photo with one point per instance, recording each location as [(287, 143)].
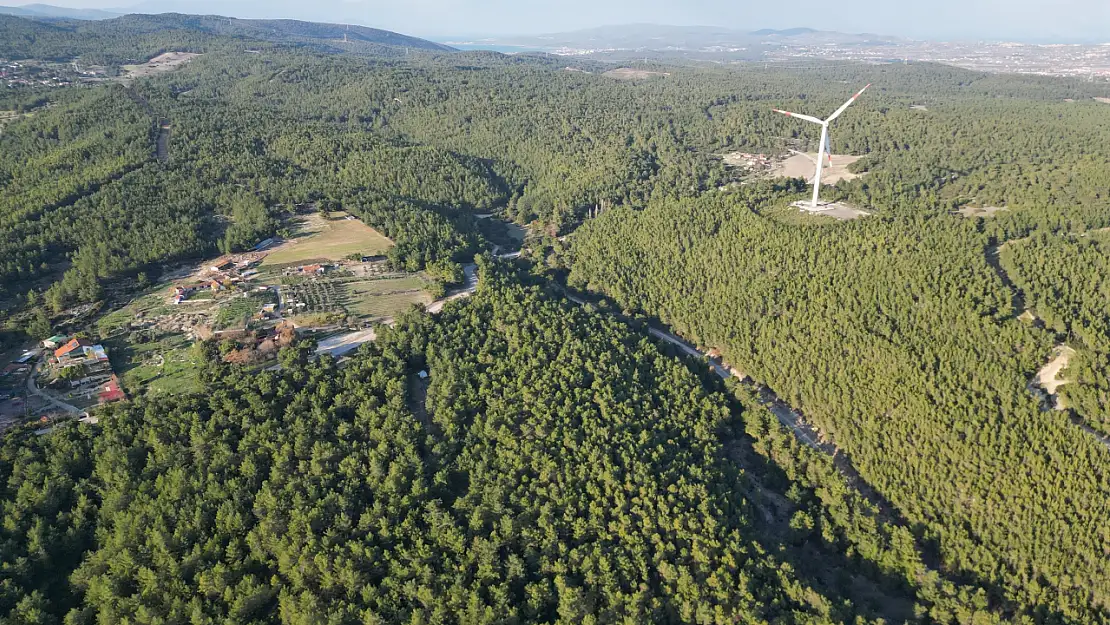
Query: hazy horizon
[(1062, 20)]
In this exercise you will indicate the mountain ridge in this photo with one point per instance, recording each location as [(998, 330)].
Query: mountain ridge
[(49, 11)]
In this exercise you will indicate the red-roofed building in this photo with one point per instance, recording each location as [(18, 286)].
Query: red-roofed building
[(73, 349), (111, 392), (82, 353)]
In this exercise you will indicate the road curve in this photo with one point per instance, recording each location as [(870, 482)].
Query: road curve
[(34, 390)]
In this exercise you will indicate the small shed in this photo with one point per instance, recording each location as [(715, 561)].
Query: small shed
[(55, 342)]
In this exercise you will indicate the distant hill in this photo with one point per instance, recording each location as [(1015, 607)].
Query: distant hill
[(132, 38), (50, 11), (789, 32), (276, 30)]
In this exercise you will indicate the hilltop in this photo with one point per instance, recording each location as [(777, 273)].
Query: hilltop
[(138, 37)]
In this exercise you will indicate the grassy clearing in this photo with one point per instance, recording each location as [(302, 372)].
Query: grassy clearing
[(384, 298), (152, 304), (319, 240), (165, 366)]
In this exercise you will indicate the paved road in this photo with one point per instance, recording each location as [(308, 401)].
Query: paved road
[(470, 285), (34, 390)]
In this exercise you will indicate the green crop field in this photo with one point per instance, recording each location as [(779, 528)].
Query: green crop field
[(320, 240)]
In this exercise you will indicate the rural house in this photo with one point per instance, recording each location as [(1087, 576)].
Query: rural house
[(55, 342), (82, 353), (111, 392)]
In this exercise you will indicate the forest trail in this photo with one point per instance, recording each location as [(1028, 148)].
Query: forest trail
[(783, 412), (162, 143), (162, 150), (1017, 297), (1049, 376), (792, 419)]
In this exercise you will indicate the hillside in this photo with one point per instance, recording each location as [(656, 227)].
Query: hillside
[(46, 11), (136, 38), (888, 459), (551, 464)]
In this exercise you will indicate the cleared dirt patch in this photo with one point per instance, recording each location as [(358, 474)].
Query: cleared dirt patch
[(804, 165), (1048, 378), (835, 210), (981, 211), (332, 240), (158, 65), (1103, 100), (343, 344), (627, 73)]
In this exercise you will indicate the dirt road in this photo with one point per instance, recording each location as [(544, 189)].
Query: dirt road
[(34, 390), (783, 412)]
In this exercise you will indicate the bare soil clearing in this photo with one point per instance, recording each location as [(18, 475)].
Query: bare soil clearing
[(1103, 100), (803, 166), (981, 211), (159, 65), (1048, 378), (627, 73), (836, 210), (320, 240), (343, 344)]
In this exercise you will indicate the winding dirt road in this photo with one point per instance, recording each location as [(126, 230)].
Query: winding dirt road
[(37, 392)]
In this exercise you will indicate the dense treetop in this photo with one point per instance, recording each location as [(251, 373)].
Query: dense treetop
[(900, 342), (1067, 282), (560, 460), (558, 467)]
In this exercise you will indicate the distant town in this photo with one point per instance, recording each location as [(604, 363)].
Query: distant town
[(668, 43), (1067, 60)]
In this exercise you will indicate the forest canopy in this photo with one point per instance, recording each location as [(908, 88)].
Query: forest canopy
[(560, 465)]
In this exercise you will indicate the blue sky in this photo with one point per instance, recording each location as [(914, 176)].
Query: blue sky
[(992, 19)]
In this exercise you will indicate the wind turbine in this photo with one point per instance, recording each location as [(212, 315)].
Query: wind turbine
[(823, 147)]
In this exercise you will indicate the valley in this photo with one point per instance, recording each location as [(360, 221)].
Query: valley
[(315, 323)]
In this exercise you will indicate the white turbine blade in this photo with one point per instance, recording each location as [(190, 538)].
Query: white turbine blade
[(847, 104), (805, 117)]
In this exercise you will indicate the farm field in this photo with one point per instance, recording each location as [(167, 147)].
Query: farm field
[(320, 240), (358, 299), (384, 298)]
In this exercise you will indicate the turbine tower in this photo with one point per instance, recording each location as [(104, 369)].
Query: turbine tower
[(822, 147)]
